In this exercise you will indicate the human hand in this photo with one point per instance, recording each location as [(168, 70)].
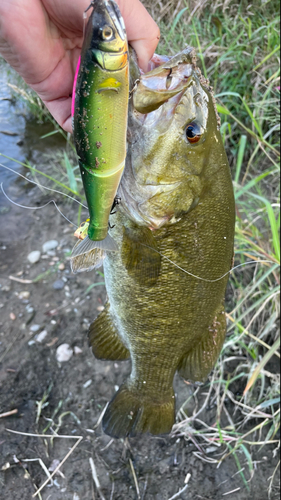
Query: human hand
[(42, 40)]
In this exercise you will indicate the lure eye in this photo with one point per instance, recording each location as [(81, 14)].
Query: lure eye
[(107, 33), (193, 133)]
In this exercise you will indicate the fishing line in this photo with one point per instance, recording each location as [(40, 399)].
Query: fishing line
[(204, 279), (44, 187), (36, 208)]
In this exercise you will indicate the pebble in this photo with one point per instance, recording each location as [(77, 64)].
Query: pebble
[(35, 328), (34, 257), (24, 295), (77, 350), (29, 309), (50, 245), (64, 353), (59, 285), (41, 336), (12, 316), (61, 267), (87, 384)]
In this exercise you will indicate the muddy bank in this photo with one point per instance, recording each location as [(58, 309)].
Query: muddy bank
[(43, 306)]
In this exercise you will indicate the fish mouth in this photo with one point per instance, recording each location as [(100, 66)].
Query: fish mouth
[(168, 78)]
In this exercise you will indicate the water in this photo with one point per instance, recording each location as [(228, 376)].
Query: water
[(20, 139), (12, 127)]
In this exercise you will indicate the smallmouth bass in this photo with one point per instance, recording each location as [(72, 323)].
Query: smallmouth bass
[(174, 228)]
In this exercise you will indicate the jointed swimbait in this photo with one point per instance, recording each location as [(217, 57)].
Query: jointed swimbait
[(100, 114)]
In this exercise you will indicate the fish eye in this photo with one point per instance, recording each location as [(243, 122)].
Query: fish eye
[(107, 33), (193, 133)]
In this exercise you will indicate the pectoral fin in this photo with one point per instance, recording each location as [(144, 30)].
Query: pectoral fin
[(140, 255), (197, 363), (104, 339)]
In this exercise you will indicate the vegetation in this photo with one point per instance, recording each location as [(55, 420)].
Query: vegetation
[(238, 47)]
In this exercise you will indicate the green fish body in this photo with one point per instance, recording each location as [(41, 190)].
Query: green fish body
[(174, 229), (100, 116)]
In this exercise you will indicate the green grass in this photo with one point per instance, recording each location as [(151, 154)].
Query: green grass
[(237, 47), (238, 50)]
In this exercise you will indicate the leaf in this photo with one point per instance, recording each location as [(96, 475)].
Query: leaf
[(70, 174), (222, 110)]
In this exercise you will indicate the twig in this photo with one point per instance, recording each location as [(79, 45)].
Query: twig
[(177, 495), (8, 413), (42, 465), (59, 466), (144, 488), (272, 479), (112, 490), (229, 492), (101, 417), (20, 280), (95, 478), (44, 435), (135, 478)]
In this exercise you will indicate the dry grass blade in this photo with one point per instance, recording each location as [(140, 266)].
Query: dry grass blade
[(179, 493), (9, 413), (95, 478), (135, 478), (59, 466), (261, 365)]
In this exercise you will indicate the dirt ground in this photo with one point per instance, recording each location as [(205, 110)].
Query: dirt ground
[(69, 397)]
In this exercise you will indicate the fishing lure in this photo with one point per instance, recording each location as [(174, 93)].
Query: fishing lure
[(100, 114)]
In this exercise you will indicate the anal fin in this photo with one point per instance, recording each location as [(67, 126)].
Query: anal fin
[(104, 339), (197, 363)]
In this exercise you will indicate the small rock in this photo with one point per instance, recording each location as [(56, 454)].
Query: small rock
[(59, 285), (87, 384), (24, 295), (35, 328), (34, 257), (41, 336), (29, 309), (76, 497), (51, 253), (77, 350), (12, 316), (64, 353), (61, 267), (50, 245)]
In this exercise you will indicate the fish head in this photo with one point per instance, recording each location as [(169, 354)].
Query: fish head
[(172, 127), (105, 36)]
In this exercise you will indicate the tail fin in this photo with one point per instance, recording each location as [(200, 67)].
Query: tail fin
[(87, 254), (130, 413)]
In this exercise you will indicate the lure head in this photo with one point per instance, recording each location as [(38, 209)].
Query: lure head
[(105, 37)]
